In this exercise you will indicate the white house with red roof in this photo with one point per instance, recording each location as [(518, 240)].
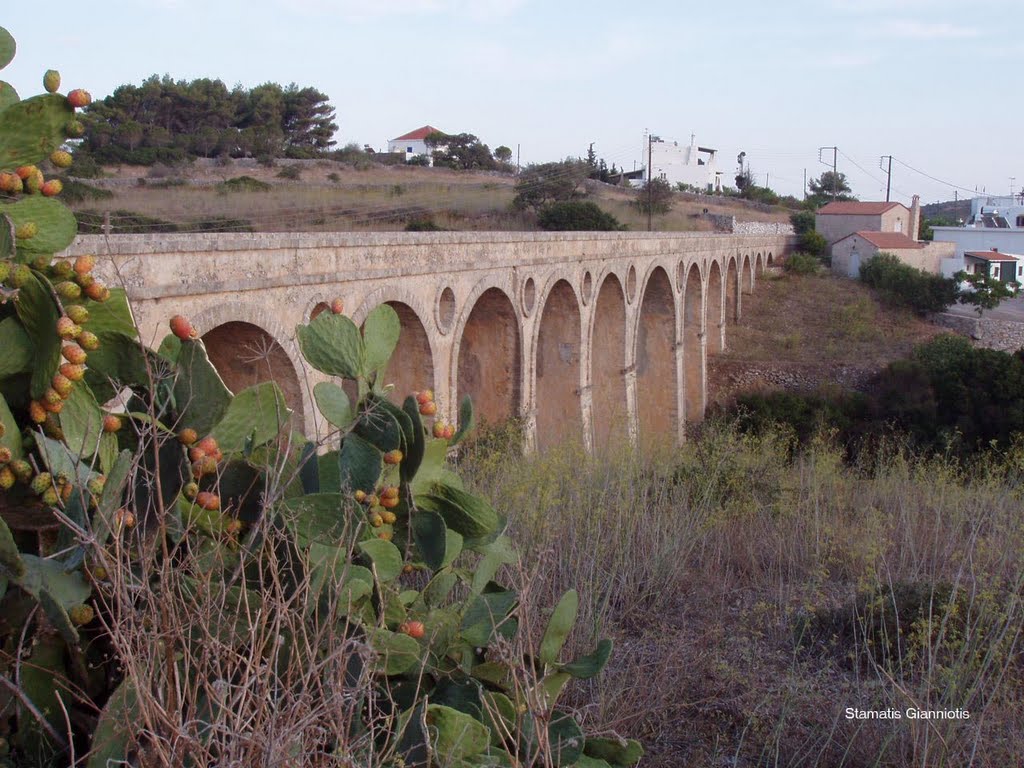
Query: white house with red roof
[(413, 143)]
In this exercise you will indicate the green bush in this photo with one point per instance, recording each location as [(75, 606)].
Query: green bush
[(243, 184), (801, 263), (576, 215), (424, 225), (802, 221), (78, 191), (291, 172), (814, 243), (122, 222), (901, 285)]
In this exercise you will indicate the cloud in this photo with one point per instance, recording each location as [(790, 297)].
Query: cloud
[(925, 30)]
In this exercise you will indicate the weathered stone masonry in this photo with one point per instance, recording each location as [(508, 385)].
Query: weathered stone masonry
[(582, 335)]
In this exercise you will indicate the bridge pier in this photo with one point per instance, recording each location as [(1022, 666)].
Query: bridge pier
[(583, 336)]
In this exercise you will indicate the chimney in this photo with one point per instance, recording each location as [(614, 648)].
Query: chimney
[(915, 217)]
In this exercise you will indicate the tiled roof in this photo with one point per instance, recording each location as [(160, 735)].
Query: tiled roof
[(889, 240), (992, 256), (855, 208), (418, 134)]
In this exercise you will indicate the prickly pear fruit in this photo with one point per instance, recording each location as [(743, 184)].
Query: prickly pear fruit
[(5, 454), (424, 397), (337, 306), (61, 268), (428, 409), (393, 457), (51, 81), (389, 517), (61, 159), (10, 182), (34, 183), (208, 445), (20, 275), (27, 231), (89, 341), (81, 615), (24, 171), (41, 262), (84, 264), (6, 478), (190, 490), (73, 371), (21, 469), (360, 496), (96, 484), (52, 187), (124, 517), (69, 291), (182, 328), (97, 291), (111, 423), (187, 436), (413, 629), (79, 98), (207, 500), (76, 312), (62, 384), (206, 465), (74, 129), (67, 328), (73, 354), (376, 520), (41, 482)]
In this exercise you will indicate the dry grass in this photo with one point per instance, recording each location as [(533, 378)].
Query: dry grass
[(721, 572), (337, 197)]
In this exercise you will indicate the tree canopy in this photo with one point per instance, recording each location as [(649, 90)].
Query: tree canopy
[(543, 183), (461, 151), (168, 120), (822, 189)]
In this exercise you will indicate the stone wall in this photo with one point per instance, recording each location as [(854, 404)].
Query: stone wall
[(726, 223), (1004, 335)]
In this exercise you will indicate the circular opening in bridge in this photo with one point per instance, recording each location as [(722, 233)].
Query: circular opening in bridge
[(631, 284), (529, 295), (445, 310), (320, 307), (680, 277), (588, 287)]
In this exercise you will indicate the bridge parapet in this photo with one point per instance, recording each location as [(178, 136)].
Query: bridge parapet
[(509, 318)]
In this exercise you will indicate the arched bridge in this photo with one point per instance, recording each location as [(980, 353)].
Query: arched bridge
[(585, 336)]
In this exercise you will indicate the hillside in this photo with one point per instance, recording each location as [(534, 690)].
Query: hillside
[(950, 210), (800, 332), (335, 196)]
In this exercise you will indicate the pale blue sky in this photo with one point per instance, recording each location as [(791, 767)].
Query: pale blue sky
[(936, 83)]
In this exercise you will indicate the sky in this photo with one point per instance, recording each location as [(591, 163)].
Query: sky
[(933, 83)]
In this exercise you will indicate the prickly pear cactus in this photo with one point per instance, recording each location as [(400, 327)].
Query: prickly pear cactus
[(110, 451)]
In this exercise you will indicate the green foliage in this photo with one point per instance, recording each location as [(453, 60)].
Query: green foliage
[(170, 121), (801, 263), (948, 398), (654, 197), (546, 183), (813, 242), (461, 151), (424, 225), (828, 187), (901, 285), (291, 172), (802, 221), (576, 215), (983, 291), (79, 192), (243, 184)]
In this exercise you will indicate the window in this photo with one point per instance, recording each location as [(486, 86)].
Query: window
[(409, 150), (1020, 221), (899, 226)]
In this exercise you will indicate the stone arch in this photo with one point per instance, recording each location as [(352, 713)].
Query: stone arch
[(248, 347), (608, 365), (411, 367), (244, 355), (693, 348), (732, 292), (771, 260), (714, 323), (747, 274), (657, 388), (488, 357), (760, 263), (558, 355)]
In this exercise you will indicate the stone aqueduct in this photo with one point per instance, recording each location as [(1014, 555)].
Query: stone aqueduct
[(585, 336)]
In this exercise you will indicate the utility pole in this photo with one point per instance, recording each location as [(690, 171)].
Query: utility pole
[(517, 159), (888, 173), (650, 190), (1012, 179), (805, 184), (835, 160)]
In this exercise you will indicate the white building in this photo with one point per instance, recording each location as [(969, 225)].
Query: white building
[(686, 164), (996, 224), (413, 143)]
